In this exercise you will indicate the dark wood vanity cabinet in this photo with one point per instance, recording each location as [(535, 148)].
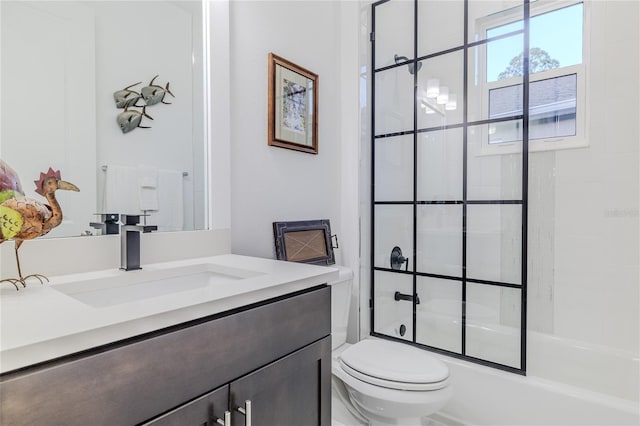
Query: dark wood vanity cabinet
[(285, 392), (288, 391), (205, 410), (275, 354)]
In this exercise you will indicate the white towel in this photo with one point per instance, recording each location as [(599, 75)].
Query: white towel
[(170, 216), (148, 188), (147, 176), (121, 190)]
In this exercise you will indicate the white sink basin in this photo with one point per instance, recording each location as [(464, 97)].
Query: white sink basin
[(134, 286)]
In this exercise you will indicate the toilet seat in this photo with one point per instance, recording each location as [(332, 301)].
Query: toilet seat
[(394, 366), (408, 386)]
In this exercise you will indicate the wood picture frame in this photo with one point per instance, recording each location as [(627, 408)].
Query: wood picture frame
[(292, 106), (305, 241)]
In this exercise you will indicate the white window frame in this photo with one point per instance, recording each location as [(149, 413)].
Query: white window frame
[(580, 139)]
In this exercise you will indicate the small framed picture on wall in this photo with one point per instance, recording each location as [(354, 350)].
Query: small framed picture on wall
[(293, 106)]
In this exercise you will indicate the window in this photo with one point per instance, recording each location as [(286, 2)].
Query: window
[(557, 91), (552, 110)]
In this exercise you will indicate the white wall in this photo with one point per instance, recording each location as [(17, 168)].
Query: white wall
[(583, 259), (274, 184), (596, 204)]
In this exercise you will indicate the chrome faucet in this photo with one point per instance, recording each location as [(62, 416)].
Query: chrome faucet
[(130, 241)]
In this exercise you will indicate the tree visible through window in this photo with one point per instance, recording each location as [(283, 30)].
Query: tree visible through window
[(554, 66), (539, 60)]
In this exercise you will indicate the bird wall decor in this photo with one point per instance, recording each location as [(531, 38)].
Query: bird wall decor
[(24, 218)]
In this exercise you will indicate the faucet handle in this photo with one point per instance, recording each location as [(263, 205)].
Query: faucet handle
[(108, 217), (132, 220), (108, 223)]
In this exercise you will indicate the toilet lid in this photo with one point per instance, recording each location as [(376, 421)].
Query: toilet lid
[(384, 361)]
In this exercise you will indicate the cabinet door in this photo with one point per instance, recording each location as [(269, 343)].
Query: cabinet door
[(201, 411), (293, 391)]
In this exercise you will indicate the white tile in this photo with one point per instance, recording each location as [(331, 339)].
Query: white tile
[(394, 168), (391, 314), (394, 100), (440, 165), (393, 227), (439, 239)]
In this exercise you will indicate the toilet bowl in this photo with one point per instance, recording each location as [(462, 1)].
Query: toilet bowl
[(391, 383), (384, 382)]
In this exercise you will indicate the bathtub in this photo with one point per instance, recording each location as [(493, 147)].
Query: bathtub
[(567, 383), (486, 396)]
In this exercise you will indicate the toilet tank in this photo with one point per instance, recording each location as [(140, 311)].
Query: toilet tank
[(340, 303)]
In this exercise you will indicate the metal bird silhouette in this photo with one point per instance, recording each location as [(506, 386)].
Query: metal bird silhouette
[(25, 218)]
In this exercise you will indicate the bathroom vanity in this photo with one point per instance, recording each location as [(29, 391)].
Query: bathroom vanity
[(259, 355)]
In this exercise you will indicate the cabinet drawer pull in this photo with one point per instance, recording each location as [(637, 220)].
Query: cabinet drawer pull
[(227, 419), (247, 412)]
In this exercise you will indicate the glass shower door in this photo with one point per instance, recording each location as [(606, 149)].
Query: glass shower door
[(393, 162), (449, 210)]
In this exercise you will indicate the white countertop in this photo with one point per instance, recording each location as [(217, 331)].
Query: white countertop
[(39, 322)]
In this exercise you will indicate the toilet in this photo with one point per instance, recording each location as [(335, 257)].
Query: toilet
[(382, 382)]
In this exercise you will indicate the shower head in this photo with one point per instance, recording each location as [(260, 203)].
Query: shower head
[(411, 65)]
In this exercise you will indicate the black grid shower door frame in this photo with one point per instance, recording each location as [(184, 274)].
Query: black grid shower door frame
[(523, 202)]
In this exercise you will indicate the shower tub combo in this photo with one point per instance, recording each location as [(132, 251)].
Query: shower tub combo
[(568, 382)]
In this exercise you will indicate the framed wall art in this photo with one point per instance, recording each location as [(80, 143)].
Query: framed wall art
[(306, 241), (293, 106)]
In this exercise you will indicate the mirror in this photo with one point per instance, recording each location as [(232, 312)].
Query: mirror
[(62, 63)]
